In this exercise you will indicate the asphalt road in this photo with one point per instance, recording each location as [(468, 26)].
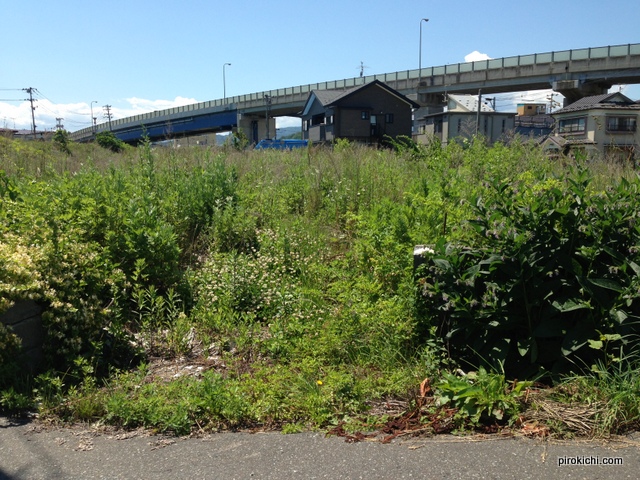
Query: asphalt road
[(29, 451)]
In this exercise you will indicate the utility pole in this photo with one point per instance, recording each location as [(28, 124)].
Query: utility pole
[(59, 125), (108, 115), (33, 117), (478, 113), (552, 102)]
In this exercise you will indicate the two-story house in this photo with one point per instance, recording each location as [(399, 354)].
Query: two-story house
[(368, 114), (603, 126), (460, 120)]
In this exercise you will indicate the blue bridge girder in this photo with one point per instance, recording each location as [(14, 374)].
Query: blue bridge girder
[(178, 126), (574, 73)]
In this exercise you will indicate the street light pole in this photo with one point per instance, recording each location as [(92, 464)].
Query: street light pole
[(420, 50), (425, 20), (267, 103), (93, 120), (224, 81)]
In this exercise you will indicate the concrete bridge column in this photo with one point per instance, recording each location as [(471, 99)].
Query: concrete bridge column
[(255, 127), (574, 90)]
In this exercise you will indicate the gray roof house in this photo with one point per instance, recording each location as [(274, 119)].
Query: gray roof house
[(459, 121), (368, 113), (602, 126)]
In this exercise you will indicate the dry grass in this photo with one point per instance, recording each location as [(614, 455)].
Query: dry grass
[(568, 419)]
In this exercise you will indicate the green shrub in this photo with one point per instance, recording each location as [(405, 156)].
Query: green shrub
[(109, 141), (94, 248), (61, 140), (554, 271)]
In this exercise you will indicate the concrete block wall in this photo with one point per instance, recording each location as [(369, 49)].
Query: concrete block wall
[(25, 320)]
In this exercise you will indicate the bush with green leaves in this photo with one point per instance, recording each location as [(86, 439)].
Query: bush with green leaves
[(100, 251), (61, 140), (109, 141), (554, 271), (71, 280)]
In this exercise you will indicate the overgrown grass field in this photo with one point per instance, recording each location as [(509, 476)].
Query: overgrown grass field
[(191, 290)]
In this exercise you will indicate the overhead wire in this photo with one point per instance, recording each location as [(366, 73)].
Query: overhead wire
[(41, 96)]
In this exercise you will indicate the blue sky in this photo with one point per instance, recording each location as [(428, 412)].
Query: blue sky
[(142, 55)]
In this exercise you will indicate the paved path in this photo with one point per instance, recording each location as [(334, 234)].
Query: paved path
[(30, 452)]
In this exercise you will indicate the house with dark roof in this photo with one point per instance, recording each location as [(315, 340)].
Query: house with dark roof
[(603, 126), (460, 120), (368, 113)]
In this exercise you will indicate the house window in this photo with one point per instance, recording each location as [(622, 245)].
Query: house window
[(572, 125), (364, 115), (388, 118), (329, 120), (317, 119), (621, 124)]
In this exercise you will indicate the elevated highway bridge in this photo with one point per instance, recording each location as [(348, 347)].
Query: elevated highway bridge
[(573, 73)]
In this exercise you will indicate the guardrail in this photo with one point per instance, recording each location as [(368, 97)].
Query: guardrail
[(238, 101)]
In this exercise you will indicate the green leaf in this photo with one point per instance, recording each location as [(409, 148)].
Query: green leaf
[(570, 305), (524, 346), (606, 283), (614, 254), (635, 267), (442, 263), (575, 339), (611, 337), (577, 268), (596, 344)]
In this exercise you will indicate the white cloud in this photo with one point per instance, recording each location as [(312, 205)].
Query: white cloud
[(283, 122), (15, 115), (475, 56), (143, 105)]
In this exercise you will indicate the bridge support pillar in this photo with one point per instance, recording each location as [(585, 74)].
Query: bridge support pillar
[(432, 100), (575, 90), (255, 127)]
